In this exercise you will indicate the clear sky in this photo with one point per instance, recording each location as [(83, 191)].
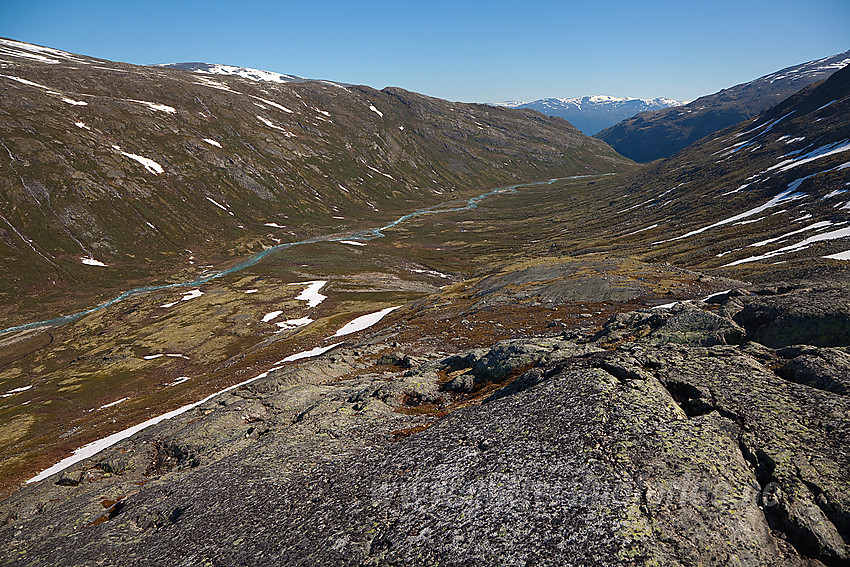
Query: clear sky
[(466, 50)]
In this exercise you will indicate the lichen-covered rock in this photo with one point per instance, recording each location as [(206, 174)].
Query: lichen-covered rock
[(798, 316), (653, 444)]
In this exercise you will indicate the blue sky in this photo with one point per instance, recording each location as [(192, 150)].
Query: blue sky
[(459, 50)]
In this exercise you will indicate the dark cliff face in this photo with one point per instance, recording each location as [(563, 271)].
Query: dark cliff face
[(659, 134)]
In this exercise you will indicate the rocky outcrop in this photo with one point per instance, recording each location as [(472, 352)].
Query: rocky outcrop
[(669, 437)]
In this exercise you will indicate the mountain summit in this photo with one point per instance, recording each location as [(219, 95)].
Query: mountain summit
[(234, 71), (591, 114)]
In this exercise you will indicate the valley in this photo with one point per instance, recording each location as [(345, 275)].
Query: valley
[(391, 329)]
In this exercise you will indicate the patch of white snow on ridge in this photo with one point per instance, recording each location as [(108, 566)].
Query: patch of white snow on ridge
[(375, 110), (431, 273), (379, 171), (818, 153), (192, 294), (15, 391), (26, 82), (75, 102), (27, 54), (271, 124), (251, 291), (170, 355), (92, 262), (158, 107), (363, 322), (187, 295), (839, 256), (81, 125), (95, 447), (212, 142), (814, 226), (787, 195), (294, 323), (271, 315), (220, 206), (831, 235), (352, 242), (641, 230), (309, 353), (311, 295), (115, 403), (246, 73), (274, 225), (149, 164), (32, 48), (274, 104)]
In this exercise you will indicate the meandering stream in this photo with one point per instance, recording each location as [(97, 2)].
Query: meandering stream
[(368, 234)]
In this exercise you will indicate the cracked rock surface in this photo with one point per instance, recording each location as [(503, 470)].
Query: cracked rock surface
[(670, 437)]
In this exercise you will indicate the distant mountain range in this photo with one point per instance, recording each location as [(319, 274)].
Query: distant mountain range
[(652, 135), (592, 114)]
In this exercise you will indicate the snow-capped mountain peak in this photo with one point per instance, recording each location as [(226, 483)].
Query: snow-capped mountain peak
[(593, 113), (243, 72)]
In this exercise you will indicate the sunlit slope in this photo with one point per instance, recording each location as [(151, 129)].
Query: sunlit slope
[(112, 171)]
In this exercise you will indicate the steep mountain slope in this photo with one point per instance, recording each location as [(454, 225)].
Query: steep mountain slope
[(591, 114), (114, 172), (653, 135), (771, 190)]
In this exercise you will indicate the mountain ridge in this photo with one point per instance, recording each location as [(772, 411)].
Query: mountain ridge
[(657, 134), (593, 113)]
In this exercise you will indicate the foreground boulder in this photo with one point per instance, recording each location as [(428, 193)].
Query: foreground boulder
[(671, 437)]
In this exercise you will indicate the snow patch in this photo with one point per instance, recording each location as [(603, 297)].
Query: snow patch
[(187, 295), (271, 124), (309, 353), (832, 235), (839, 256), (15, 391), (212, 142), (149, 164), (274, 104), (115, 403), (818, 153), (375, 110), (158, 107), (92, 262), (95, 447), (220, 206), (271, 315), (787, 195), (352, 242), (363, 322), (311, 295), (294, 323), (75, 102), (642, 229)]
